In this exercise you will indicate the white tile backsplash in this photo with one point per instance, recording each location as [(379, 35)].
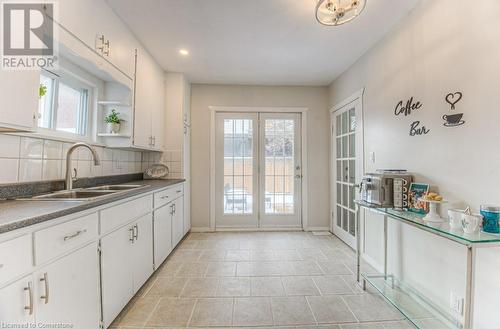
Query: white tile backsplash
[(9, 146), (31, 148), (52, 150), (30, 170), (9, 172), (51, 169), (28, 159)]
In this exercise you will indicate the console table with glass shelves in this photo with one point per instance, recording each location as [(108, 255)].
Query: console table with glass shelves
[(413, 305)]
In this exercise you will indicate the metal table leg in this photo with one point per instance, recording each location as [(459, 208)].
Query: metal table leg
[(469, 287), (385, 248), (358, 244)]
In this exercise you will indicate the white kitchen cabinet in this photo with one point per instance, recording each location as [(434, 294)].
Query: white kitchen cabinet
[(177, 220), (116, 272), (17, 302), (142, 256), (148, 103), (19, 95), (126, 263), (90, 18), (67, 290), (162, 233)]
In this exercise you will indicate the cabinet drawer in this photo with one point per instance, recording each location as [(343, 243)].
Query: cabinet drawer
[(120, 214), (53, 241), (16, 257), (164, 197)]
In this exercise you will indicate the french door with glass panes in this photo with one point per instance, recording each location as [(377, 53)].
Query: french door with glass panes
[(346, 169), (258, 170)]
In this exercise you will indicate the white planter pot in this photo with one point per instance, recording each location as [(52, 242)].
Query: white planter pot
[(113, 128)]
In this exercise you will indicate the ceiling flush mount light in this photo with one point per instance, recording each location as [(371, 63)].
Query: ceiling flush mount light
[(183, 52), (338, 12)]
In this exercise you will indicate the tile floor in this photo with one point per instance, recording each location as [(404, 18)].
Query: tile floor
[(278, 279)]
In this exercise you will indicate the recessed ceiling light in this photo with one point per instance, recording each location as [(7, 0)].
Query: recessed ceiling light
[(183, 52)]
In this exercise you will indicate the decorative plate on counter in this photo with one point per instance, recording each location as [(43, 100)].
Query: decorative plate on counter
[(156, 171)]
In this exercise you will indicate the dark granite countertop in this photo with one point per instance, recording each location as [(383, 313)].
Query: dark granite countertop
[(15, 214)]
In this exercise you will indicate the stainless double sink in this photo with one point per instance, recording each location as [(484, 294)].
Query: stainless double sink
[(86, 194)]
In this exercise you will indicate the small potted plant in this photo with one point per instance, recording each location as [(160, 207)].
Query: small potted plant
[(113, 122)]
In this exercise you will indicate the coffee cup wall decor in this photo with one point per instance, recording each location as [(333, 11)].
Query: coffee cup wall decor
[(453, 120), (453, 98)]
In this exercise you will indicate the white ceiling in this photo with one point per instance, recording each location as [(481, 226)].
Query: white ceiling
[(264, 42)]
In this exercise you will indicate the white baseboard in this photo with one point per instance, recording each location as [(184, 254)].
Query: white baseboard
[(255, 229), (317, 228), (201, 229)]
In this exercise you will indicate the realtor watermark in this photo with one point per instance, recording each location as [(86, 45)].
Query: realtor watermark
[(29, 35), (35, 325)]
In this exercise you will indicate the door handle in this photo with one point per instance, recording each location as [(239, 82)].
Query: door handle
[(136, 231), (29, 289), (132, 234), (77, 233), (45, 280)]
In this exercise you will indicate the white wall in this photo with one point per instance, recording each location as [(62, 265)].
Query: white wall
[(442, 46), (313, 98)]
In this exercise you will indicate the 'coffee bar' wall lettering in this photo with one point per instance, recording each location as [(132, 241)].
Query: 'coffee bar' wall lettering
[(407, 109)]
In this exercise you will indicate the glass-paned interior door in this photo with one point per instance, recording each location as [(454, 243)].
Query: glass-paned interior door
[(345, 157), (236, 170), (280, 170)]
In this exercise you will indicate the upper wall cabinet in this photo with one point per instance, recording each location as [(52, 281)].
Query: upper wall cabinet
[(19, 95), (99, 20), (149, 103), (178, 117)]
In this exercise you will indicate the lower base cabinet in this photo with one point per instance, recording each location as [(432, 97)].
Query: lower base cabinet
[(67, 291), (126, 263), (16, 302), (162, 221), (177, 220)]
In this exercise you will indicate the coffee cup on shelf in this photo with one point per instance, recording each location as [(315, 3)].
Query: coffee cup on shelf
[(455, 218), (471, 223)]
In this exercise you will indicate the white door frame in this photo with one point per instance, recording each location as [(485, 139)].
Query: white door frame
[(303, 111), (357, 96)]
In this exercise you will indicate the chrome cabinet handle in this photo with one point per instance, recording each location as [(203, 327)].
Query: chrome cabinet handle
[(132, 235), (164, 197), (136, 231), (171, 209), (45, 280), (175, 208), (72, 236), (29, 289), (179, 191)]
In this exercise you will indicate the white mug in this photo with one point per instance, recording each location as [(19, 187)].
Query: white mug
[(455, 218), (471, 223)]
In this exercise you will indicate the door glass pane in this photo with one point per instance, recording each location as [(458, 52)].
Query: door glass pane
[(345, 219), (352, 149), (345, 146), (352, 169), (279, 166), (238, 166), (345, 124), (352, 120), (352, 223), (339, 216)]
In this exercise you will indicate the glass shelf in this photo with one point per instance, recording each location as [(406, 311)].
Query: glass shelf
[(416, 308), (443, 229)]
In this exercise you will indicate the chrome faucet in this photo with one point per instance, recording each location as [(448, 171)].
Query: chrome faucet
[(69, 178)]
